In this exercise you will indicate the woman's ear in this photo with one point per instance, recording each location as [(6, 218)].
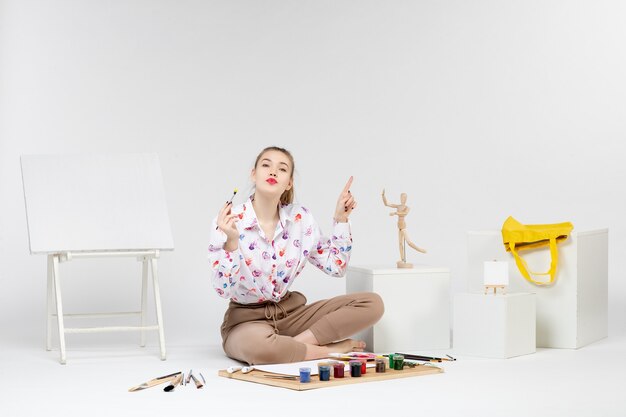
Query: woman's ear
[(290, 184), (252, 174)]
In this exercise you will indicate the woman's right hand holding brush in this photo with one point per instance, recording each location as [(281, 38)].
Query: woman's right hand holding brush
[(227, 223)]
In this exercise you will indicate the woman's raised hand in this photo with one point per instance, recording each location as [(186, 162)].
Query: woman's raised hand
[(345, 204), (226, 222)]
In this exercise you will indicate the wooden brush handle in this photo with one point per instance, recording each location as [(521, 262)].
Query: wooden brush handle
[(197, 382), (154, 382)]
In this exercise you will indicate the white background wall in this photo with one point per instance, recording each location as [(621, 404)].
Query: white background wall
[(477, 110)]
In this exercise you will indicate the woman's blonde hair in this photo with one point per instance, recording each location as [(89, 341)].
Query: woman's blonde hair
[(287, 196)]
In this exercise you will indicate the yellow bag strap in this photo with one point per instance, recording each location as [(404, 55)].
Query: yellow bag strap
[(523, 267)]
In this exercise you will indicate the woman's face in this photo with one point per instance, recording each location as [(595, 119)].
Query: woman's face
[(272, 175)]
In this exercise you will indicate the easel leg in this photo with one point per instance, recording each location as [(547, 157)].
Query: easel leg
[(144, 299), (59, 305), (49, 304), (157, 303)]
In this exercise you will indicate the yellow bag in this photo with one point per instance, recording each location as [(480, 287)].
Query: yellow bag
[(517, 236)]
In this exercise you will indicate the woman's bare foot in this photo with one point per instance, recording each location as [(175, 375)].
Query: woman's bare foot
[(345, 346)]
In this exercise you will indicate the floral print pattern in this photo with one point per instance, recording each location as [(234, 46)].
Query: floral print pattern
[(264, 267)]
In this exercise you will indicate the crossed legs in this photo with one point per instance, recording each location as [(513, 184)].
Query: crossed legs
[(308, 332)]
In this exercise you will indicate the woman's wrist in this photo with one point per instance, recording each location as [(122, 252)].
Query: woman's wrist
[(341, 219), (230, 245)]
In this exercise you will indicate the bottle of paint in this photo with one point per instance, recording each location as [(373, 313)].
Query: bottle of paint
[(355, 368), (380, 366), (322, 364), (324, 373), (338, 370), (363, 366), (391, 355), (305, 375), (398, 362)]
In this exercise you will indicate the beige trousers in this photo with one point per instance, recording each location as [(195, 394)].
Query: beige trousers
[(263, 333)]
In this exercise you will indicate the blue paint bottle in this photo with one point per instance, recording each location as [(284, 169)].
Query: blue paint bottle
[(324, 373), (305, 375)]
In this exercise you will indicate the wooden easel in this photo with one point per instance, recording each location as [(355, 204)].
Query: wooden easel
[(495, 276), (55, 304), (97, 206), (495, 289)]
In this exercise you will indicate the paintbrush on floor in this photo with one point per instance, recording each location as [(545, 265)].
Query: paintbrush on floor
[(156, 381)]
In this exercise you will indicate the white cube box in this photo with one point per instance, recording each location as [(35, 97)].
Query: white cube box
[(571, 313), (494, 326), (417, 307)]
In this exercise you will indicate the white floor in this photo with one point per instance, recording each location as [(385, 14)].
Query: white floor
[(552, 382)]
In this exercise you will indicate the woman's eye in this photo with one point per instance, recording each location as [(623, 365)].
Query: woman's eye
[(283, 169), (264, 165)]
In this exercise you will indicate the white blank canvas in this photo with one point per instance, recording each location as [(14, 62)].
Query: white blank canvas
[(95, 202), (496, 273)]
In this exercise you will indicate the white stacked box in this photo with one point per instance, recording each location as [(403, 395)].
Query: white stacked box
[(494, 326), (574, 311), (417, 307)]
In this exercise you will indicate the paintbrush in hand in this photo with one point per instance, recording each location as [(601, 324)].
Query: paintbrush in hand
[(230, 201)]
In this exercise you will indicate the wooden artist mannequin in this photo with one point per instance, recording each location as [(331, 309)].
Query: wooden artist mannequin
[(403, 238)]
